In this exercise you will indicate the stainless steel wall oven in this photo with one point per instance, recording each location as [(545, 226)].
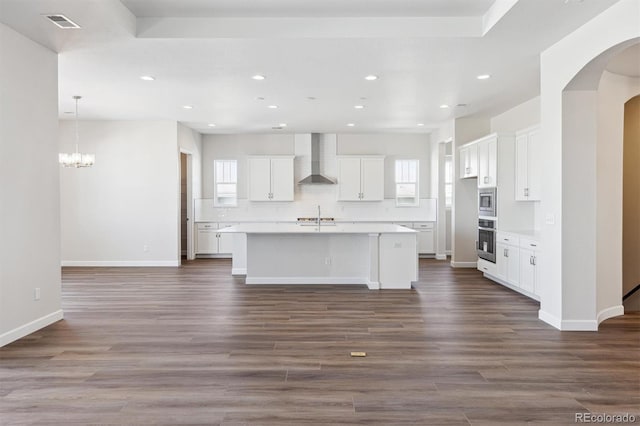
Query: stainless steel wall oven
[(487, 239)]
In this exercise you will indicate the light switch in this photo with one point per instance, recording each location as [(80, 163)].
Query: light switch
[(550, 219)]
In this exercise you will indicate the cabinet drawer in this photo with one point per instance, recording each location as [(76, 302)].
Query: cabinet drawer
[(205, 226), (422, 225), (487, 267), (505, 238), (529, 244)]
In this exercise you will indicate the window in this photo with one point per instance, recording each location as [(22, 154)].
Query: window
[(448, 181), (226, 183), (407, 183)]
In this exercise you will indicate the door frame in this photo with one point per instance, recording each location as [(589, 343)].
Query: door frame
[(190, 251)]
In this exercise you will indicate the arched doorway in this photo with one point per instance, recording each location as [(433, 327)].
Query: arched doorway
[(581, 211)]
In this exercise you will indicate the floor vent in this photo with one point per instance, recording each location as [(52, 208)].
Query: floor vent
[(62, 22)]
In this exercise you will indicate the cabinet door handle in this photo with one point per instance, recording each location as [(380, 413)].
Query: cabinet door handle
[(526, 192), (533, 259), (506, 253)]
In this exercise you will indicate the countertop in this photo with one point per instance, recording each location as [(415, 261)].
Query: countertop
[(339, 228), (527, 233), (343, 221)]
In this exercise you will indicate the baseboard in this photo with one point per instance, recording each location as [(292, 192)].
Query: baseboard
[(373, 285), (306, 280), (126, 263), (464, 264), (238, 271), (552, 320), (441, 257), (30, 327), (579, 325), (611, 312)]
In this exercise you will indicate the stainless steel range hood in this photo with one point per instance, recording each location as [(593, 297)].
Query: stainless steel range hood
[(316, 178)]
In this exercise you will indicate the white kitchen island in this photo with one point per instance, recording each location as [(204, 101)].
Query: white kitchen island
[(382, 256)]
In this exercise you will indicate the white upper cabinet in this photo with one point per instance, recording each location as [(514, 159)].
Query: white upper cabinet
[(528, 165), (488, 162), (360, 178), (468, 161), (271, 178)]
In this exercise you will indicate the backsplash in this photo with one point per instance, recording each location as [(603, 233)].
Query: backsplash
[(204, 210)]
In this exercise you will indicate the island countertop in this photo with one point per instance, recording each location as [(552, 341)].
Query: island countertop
[(339, 228)]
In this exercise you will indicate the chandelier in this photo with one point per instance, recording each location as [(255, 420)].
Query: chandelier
[(76, 159)]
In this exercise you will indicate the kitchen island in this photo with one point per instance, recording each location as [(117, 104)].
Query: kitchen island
[(382, 256)]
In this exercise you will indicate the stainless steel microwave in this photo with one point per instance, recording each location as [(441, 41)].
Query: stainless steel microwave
[(487, 202)]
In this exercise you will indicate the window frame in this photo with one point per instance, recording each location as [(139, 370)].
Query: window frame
[(403, 201), (216, 198)]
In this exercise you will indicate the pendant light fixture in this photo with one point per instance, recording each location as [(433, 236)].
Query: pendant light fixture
[(76, 159)]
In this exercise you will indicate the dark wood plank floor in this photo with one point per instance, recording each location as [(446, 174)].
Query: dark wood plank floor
[(192, 345)]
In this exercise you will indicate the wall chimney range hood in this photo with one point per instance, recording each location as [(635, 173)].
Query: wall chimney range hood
[(316, 178)]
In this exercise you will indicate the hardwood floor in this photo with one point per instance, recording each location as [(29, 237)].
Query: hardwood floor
[(192, 345)]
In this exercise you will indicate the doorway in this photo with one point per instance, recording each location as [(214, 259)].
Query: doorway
[(631, 206), (185, 209)]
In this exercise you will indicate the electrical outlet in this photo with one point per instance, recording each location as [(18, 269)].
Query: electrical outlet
[(397, 245), (36, 293), (145, 248), (327, 261)]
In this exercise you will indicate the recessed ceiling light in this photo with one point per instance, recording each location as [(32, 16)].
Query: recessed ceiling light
[(147, 77), (420, 124), (444, 106), (483, 77), (371, 77), (461, 105), (258, 77), (259, 98), (358, 106), (273, 107), (350, 124), (187, 106), (311, 98), (211, 125), (282, 124)]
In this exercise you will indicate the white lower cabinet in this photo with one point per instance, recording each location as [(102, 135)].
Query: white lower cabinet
[(210, 241), (426, 241), (529, 250), (508, 258), (516, 263)]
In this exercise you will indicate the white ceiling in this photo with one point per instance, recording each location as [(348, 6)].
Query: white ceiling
[(204, 52)]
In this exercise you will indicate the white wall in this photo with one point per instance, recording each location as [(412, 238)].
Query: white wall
[(128, 201), (614, 90), (563, 294), (29, 191), (307, 197), (238, 147), (190, 141), (393, 147), (464, 213), (526, 114), (521, 116)]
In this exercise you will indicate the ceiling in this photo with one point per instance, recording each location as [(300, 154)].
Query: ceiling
[(314, 55)]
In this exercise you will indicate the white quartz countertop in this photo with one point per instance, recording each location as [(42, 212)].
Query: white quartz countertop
[(340, 228), (527, 233)]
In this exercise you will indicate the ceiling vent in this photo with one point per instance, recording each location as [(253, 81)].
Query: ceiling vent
[(62, 21)]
